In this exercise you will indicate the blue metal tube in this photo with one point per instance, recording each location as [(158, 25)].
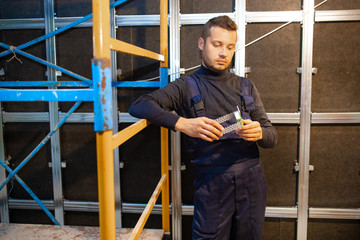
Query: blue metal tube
[(42, 84), (134, 84), (62, 95), (154, 84), (101, 72), (43, 142), (60, 30), (47, 63), (31, 193), (164, 77)]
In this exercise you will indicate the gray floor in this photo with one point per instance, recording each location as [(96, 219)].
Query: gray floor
[(47, 232)]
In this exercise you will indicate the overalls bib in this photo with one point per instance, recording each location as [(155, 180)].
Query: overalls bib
[(229, 185)]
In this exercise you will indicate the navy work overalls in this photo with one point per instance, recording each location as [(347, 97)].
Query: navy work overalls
[(230, 189)]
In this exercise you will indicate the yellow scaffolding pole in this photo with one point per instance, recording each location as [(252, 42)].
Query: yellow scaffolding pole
[(164, 132), (105, 160), (106, 142), (121, 46), (145, 215), (127, 133)]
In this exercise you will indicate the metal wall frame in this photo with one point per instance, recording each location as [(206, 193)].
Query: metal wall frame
[(304, 118)]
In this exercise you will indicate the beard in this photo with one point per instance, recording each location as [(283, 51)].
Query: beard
[(213, 65)]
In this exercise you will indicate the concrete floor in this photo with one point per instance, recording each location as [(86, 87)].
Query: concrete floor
[(47, 232)]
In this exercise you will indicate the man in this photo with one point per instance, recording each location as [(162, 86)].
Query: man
[(230, 190)]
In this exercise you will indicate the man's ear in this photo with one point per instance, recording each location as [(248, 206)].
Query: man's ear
[(201, 43)]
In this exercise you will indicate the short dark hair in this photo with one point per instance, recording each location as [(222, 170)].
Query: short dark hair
[(221, 21)]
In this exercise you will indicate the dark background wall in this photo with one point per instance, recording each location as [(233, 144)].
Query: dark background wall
[(273, 61)]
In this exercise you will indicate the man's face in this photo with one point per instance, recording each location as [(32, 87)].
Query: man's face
[(218, 50)]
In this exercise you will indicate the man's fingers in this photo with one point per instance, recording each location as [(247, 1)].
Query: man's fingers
[(211, 132), (206, 138), (250, 124), (249, 135), (213, 127), (251, 131), (214, 124)]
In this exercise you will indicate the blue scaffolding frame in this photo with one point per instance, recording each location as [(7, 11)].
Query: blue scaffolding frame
[(76, 91)]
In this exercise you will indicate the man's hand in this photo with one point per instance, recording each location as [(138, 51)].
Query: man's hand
[(251, 131), (201, 127)]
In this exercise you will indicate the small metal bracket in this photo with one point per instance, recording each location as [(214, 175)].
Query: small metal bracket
[(183, 167), (299, 70), (63, 164), (296, 167), (58, 73), (121, 165), (118, 72), (247, 69)]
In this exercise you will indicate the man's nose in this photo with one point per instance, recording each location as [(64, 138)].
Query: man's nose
[(224, 52)]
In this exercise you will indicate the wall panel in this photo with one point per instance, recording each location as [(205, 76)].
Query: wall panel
[(336, 85), (278, 164), (335, 155), (20, 140), (206, 6), (273, 5), (273, 61)]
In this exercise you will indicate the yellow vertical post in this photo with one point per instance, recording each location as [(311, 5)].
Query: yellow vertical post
[(164, 131), (165, 170), (105, 166), (101, 28), (105, 162), (164, 32)]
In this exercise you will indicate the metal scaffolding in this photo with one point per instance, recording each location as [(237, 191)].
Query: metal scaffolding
[(107, 142), (99, 91)]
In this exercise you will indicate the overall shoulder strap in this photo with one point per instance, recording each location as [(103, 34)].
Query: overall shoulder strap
[(245, 90), (196, 100)]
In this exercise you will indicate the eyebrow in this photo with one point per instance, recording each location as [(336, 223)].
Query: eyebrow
[(218, 41)]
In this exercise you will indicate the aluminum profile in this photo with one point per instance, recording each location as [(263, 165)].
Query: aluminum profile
[(334, 118), (54, 114), (337, 15), (240, 10), (273, 16), (188, 19), (271, 212), (334, 213), (284, 118), (305, 119), (201, 18), (124, 117), (137, 20), (4, 205)]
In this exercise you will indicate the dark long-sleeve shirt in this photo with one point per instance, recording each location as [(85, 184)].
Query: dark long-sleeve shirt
[(220, 92)]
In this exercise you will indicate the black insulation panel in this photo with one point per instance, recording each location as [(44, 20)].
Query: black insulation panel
[(273, 61), (22, 68), (273, 5), (333, 229), (20, 140), (336, 85), (334, 153), (12, 9), (206, 6), (78, 150)]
